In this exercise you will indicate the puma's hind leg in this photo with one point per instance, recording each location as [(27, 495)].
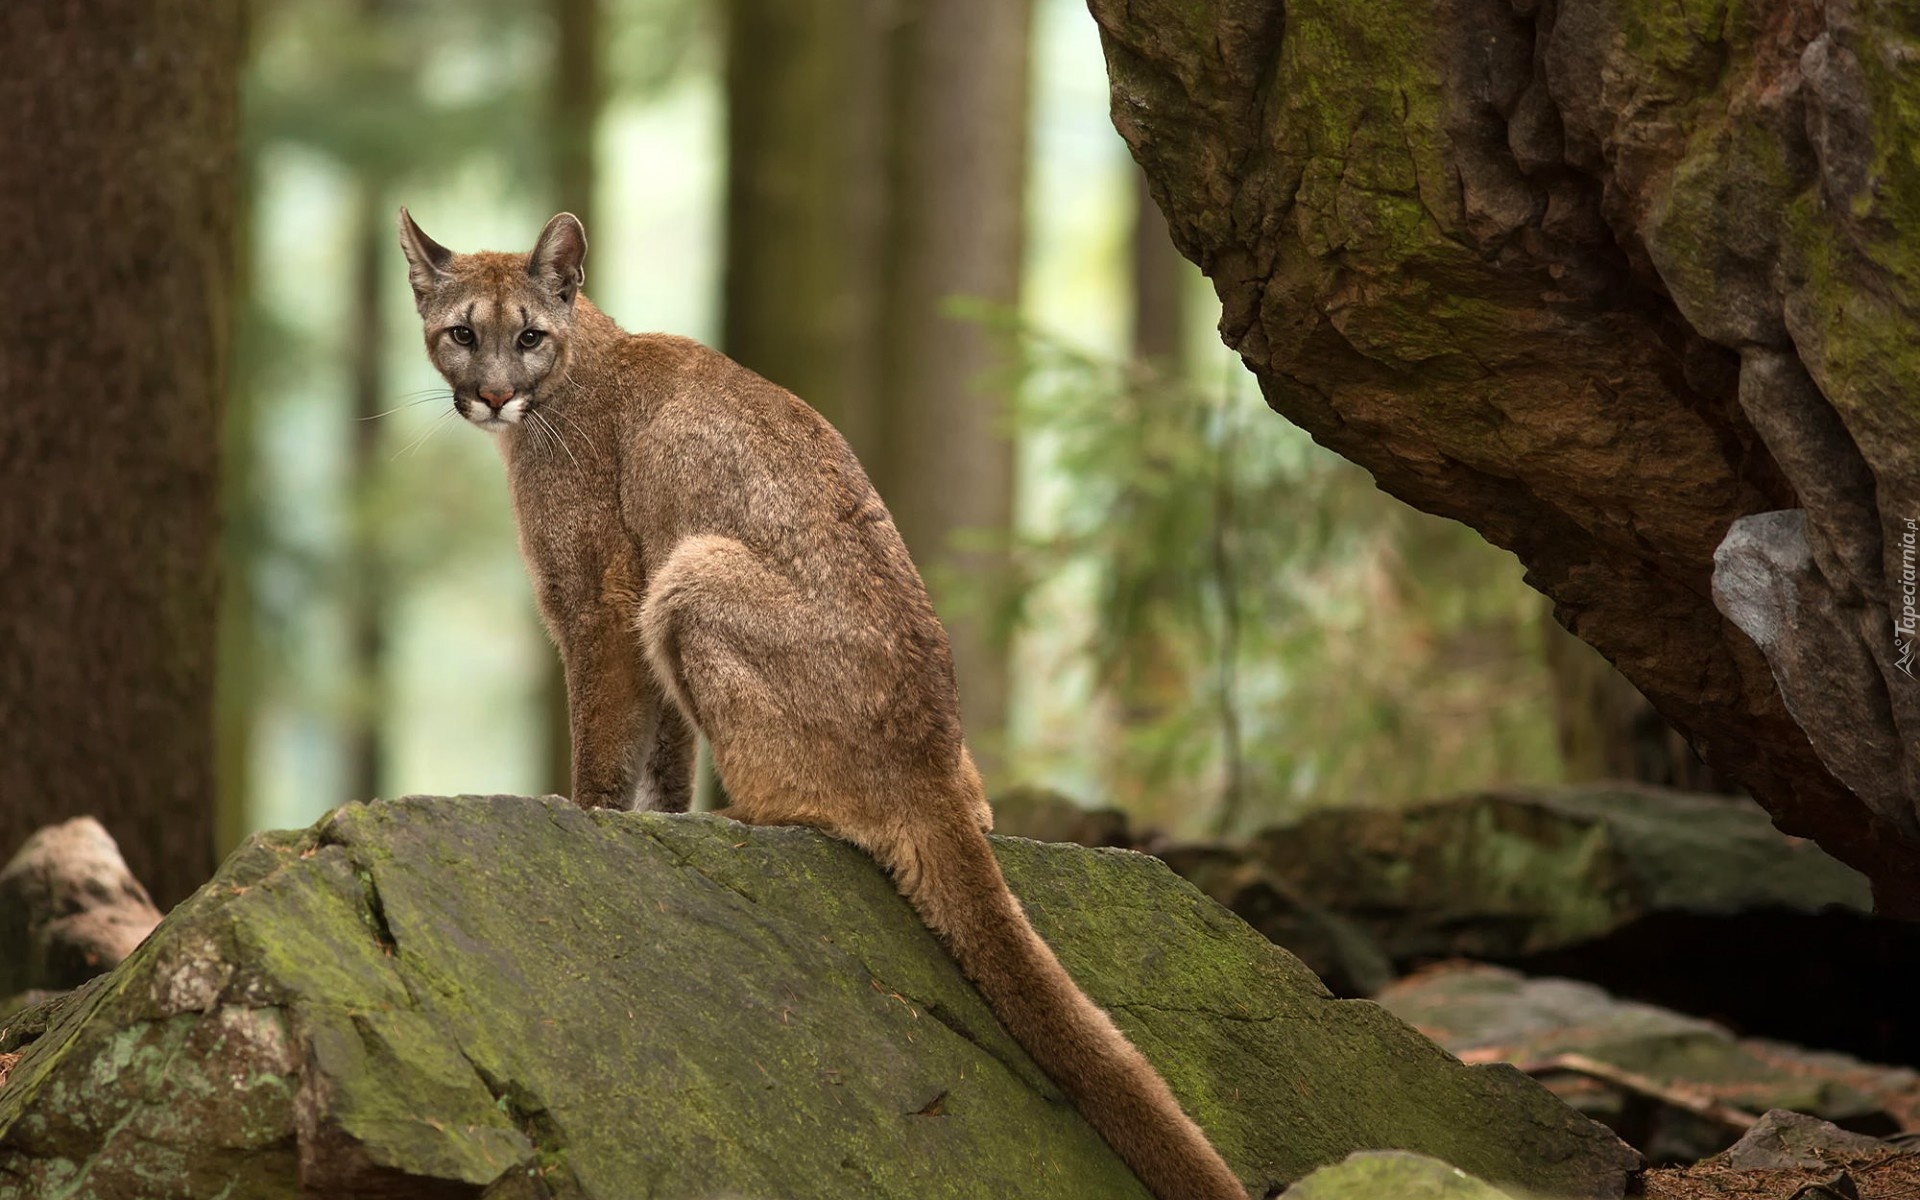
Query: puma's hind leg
[(667, 760), (718, 626)]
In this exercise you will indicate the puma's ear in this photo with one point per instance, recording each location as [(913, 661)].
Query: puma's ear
[(559, 257), (426, 259)]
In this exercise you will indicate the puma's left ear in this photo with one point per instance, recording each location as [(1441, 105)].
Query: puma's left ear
[(559, 257), (427, 259)]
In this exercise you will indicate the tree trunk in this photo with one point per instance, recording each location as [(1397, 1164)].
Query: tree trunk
[(119, 191), (578, 103), (1159, 288), (368, 594), (1150, 681), (806, 190), (958, 158), (236, 660)]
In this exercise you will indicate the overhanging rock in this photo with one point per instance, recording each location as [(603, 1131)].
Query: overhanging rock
[(503, 997), (1598, 279)]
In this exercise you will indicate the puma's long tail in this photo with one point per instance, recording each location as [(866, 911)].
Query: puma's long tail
[(949, 875)]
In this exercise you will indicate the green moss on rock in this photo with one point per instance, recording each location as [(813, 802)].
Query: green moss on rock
[(1380, 1175), (514, 998)]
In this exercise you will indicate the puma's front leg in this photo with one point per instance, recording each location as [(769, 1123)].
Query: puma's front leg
[(608, 710)]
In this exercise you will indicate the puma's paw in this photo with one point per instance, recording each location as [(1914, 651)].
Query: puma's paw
[(655, 797), (602, 799)]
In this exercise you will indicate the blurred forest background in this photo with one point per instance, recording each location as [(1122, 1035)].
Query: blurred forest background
[(919, 217)]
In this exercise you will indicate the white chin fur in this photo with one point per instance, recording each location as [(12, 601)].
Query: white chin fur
[(512, 412)]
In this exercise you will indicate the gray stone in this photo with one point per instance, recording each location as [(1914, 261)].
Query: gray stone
[(1783, 1140), (1766, 581), (69, 909)]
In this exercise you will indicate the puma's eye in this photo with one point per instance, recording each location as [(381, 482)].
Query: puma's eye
[(529, 338), (461, 334)]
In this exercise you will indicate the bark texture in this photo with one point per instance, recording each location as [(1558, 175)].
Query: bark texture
[(1599, 278), (806, 201), (369, 590), (118, 198)]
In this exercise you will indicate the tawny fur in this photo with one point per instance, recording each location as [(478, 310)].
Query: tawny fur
[(708, 554)]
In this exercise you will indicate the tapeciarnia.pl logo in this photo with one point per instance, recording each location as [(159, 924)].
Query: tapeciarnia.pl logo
[(1905, 626)]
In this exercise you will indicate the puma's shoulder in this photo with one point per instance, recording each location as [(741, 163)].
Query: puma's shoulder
[(706, 386)]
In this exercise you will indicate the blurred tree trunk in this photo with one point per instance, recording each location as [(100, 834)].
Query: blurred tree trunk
[(579, 101), (368, 594), (958, 159), (1160, 278), (806, 191), (236, 674), (1607, 729), (119, 188), (1150, 680)]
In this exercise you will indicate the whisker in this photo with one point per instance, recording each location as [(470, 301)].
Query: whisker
[(430, 430), (441, 395), (562, 414), (534, 412)]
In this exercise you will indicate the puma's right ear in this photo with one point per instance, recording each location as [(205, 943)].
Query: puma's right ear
[(426, 259), (559, 257)]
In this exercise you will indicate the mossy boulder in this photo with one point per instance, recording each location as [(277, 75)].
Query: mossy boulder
[(1392, 1175), (1507, 875), (1599, 881), (504, 997)]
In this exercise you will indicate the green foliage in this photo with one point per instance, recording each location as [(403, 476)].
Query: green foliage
[(1267, 630)]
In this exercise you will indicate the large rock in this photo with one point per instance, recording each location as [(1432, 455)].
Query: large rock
[(513, 998), (1599, 278), (1507, 875), (1787, 1156), (1632, 888), (1786, 1140), (69, 909), (1392, 1175)]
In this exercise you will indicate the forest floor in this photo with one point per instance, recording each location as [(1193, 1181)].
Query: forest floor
[(1895, 1177)]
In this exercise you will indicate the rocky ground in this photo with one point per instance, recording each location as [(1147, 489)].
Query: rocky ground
[(1749, 960), (356, 1009), (506, 997)]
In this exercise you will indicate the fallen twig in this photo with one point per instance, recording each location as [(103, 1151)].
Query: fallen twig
[(1669, 1094)]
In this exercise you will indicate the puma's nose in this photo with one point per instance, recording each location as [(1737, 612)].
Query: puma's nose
[(495, 397)]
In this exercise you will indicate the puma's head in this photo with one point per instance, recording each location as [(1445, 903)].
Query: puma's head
[(498, 325)]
